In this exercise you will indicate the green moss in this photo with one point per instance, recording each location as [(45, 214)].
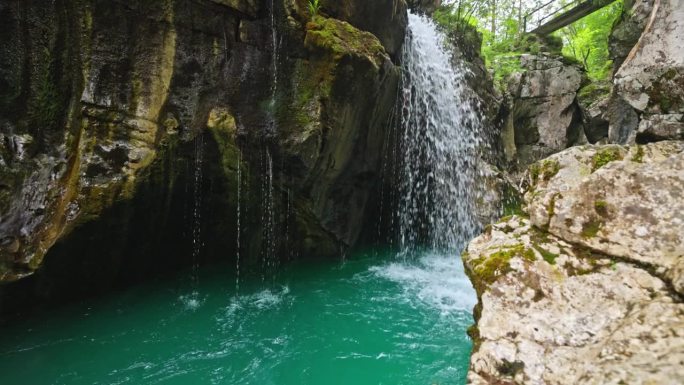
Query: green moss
[(601, 207), (490, 268), (474, 333), (670, 74), (508, 368), (44, 105), (341, 38), (638, 155), (605, 156), (550, 168), (546, 255), (534, 171), (591, 228), (544, 170), (594, 91), (551, 208), (512, 202)]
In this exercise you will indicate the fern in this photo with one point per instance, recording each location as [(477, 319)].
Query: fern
[(314, 7)]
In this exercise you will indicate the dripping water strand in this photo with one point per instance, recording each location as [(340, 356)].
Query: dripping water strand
[(197, 212), (268, 257), (275, 48), (386, 176), (239, 230)]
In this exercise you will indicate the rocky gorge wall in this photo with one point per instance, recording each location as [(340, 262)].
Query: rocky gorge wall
[(124, 123), (584, 286)]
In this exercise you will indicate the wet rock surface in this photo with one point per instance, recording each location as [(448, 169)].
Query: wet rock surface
[(117, 116)]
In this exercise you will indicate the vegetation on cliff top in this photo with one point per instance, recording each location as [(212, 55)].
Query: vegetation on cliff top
[(501, 25)]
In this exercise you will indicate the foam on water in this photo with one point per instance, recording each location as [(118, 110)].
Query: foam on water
[(434, 279), (191, 301)]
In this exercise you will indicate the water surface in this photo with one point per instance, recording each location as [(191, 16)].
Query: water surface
[(365, 321)]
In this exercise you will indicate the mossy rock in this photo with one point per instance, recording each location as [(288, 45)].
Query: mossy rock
[(341, 39), (489, 268), (605, 156)]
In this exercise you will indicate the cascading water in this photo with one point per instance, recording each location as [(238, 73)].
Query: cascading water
[(441, 139)]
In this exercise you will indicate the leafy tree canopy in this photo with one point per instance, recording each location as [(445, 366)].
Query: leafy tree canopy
[(502, 25)]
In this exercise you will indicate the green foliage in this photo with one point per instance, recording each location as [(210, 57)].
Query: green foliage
[(605, 156), (512, 202), (314, 7), (546, 169), (501, 25), (586, 40)]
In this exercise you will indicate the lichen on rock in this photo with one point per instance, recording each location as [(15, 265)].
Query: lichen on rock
[(600, 292)]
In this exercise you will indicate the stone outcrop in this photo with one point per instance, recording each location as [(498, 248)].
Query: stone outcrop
[(121, 123), (386, 19), (589, 289), (544, 116), (648, 97)]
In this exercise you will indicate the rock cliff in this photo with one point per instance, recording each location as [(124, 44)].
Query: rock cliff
[(648, 96), (122, 123)]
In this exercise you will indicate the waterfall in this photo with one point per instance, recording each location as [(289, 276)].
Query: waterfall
[(440, 143)]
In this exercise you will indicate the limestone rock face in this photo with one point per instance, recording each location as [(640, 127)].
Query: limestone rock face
[(650, 82), (544, 114), (123, 124), (628, 29), (623, 202), (588, 290), (552, 312)]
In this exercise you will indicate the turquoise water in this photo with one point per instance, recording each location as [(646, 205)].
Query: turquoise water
[(364, 321)]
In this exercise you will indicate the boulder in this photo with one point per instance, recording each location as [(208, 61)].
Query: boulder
[(628, 29), (544, 113), (593, 100), (589, 288), (424, 6), (553, 312)]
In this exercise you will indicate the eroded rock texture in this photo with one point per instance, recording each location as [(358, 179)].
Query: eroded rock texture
[(648, 100), (544, 115), (588, 290), (123, 123)]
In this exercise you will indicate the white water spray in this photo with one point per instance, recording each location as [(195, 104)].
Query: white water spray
[(441, 140)]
